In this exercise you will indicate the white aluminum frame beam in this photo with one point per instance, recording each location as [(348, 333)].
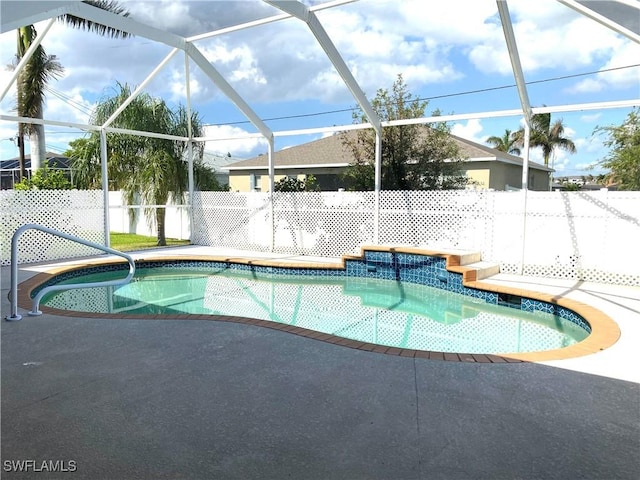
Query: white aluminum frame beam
[(507, 28), (601, 19), (357, 126), (56, 9), (514, 57), (40, 121), (105, 185), (191, 181)]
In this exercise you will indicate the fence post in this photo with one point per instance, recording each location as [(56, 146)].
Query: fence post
[(105, 185)]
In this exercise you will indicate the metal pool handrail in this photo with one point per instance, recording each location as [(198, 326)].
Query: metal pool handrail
[(36, 300)]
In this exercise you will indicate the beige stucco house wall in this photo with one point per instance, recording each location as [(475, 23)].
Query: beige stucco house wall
[(500, 176)]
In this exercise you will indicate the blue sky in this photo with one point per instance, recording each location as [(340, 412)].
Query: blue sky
[(443, 49)]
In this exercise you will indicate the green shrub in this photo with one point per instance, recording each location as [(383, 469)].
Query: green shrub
[(288, 184), (45, 179)]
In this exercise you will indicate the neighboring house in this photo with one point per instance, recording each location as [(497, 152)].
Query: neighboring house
[(327, 158), (10, 169), (219, 163)]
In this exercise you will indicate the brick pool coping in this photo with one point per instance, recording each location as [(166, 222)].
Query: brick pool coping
[(604, 330)]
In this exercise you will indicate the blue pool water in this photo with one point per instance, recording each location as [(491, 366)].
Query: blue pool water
[(375, 310)]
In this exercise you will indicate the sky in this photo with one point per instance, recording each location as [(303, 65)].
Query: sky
[(451, 53)]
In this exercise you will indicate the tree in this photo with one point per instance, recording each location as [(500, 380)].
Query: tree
[(31, 83), (414, 157), (623, 159), (85, 153), (288, 184), (154, 168), (546, 135), (45, 179), (40, 69), (506, 143), (571, 187)]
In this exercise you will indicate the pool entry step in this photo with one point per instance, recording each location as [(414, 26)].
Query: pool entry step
[(381, 262)]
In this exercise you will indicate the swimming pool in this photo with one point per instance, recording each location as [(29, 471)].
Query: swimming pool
[(377, 311), (401, 300)]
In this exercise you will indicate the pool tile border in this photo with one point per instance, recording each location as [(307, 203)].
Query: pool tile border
[(444, 270)]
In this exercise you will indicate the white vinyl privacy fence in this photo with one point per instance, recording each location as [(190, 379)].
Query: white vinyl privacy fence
[(584, 236), (125, 218)]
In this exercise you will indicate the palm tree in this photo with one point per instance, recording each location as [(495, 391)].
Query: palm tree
[(506, 143), (153, 168), (549, 136), (41, 68), (31, 83)]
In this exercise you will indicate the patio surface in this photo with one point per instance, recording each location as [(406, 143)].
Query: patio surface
[(137, 399)]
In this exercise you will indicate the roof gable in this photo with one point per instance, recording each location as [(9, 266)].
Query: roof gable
[(324, 151), (329, 151)]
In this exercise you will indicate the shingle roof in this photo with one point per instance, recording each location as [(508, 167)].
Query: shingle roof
[(325, 151), (54, 160), (330, 151)]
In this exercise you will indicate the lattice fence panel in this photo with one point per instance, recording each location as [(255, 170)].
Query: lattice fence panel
[(322, 223), (234, 220), (579, 235), (78, 213), (437, 219)]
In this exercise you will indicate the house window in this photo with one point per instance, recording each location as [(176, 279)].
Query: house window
[(256, 183)]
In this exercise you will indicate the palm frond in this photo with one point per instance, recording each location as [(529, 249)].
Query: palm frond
[(102, 30), (33, 78)]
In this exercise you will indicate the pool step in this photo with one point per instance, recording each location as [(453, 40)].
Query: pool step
[(482, 270), (470, 258), (460, 257), (471, 265), (467, 262)]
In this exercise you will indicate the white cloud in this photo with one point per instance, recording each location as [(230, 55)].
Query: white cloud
[(587, 167), (535, 155), (569, 132), (470, 130), (178, 87), (590, 118), (627, 54), (560, 163), (238, 62), (231, 141), (187, 18), (8, 147), (589, 145), (548, 35), (67, 106)]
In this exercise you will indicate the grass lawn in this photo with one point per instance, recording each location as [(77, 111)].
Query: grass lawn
[(126, 242)]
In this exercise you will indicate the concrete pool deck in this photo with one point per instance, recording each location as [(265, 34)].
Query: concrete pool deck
[(192, 399)]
